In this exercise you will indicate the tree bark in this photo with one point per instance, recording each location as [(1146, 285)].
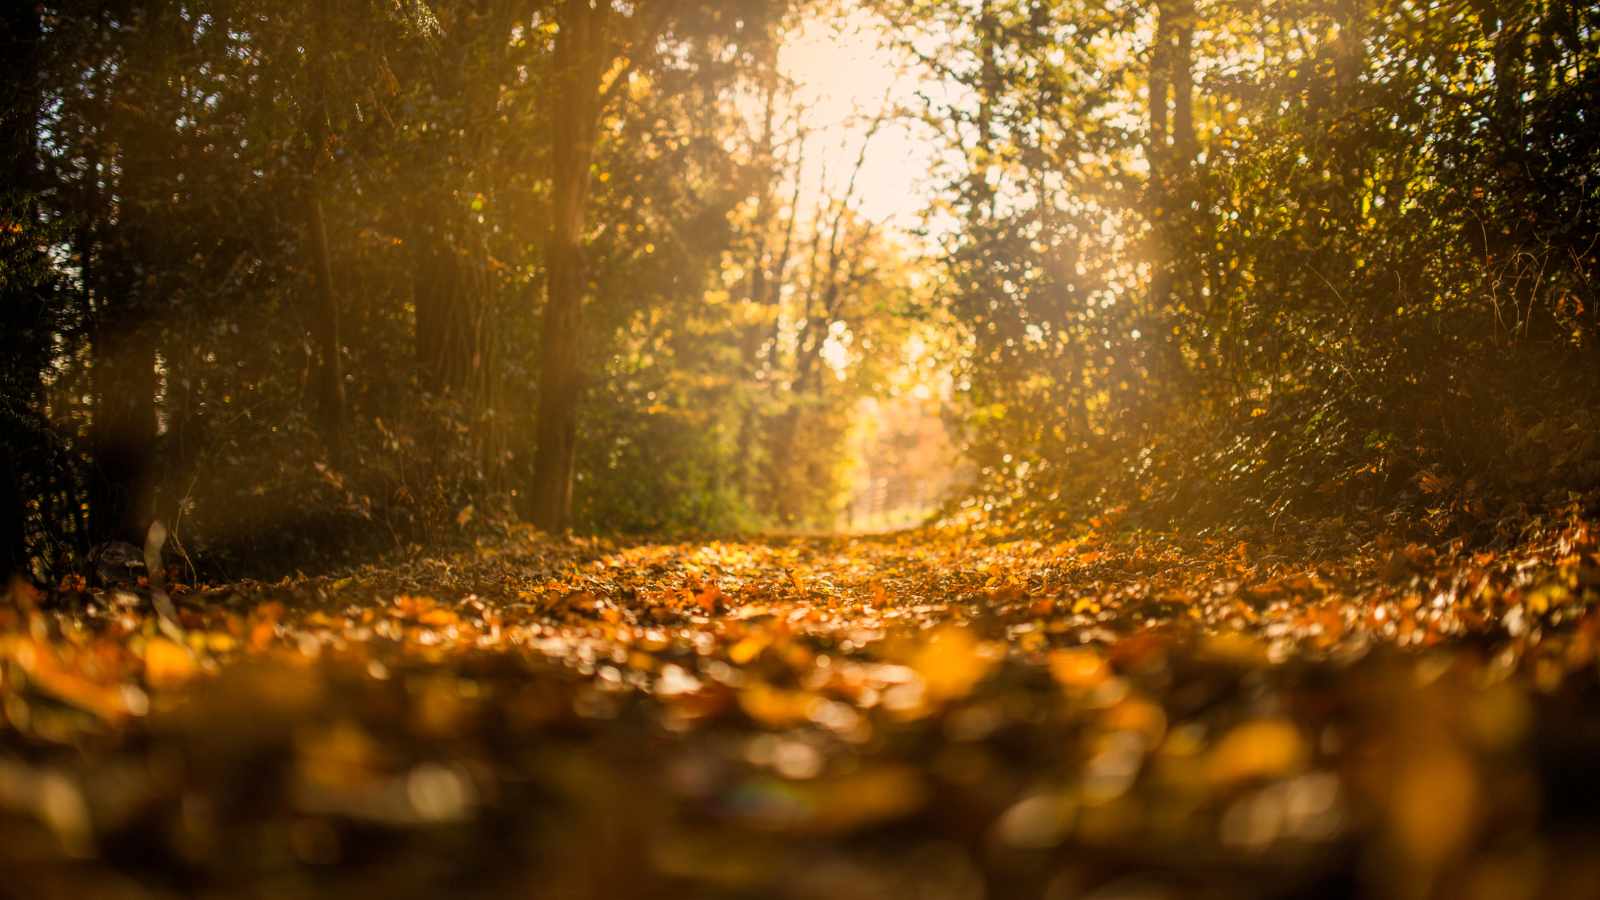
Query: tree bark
[(449, 313), (124, 332), (987, 198), (328, 389), (765, 284), (1184, 143), (1159, 158), (122, 495), (1171, 156), (1159, 89), (22, 339), (582, 54), (13, 526), (1510, 47)]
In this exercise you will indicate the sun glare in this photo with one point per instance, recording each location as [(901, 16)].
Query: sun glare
[(846, 79)]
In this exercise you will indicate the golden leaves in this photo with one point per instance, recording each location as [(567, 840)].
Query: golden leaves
[(1078, 669), (1086, 693), (951, 662), (776, 708), (1259, 749), (835, 805), (167, 664), (1434, 805), (72, 678)]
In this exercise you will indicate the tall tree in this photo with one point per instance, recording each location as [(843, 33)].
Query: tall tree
[(328, 387), (597, 44), (131, 270), (22, 316), (1170, 154), (584, 52)]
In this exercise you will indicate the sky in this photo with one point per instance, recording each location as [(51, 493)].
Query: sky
[(845, 79)]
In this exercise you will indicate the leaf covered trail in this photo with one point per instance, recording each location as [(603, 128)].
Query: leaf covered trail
[(932, 714)]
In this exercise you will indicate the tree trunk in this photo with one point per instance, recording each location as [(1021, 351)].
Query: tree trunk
[(22, 338), (1184, 142), (1186, 189), (13, 526), (329, 386), (124, 333), (987, 197), (122, 493), (328, 389), (1159, 89), (449, 313), (123, 344), (581, 57), (1159, 156), (1349, 150), (1171, 155), (766, 284), (1510, 47)]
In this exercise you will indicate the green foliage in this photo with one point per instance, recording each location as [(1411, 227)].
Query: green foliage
[(1363, 219)]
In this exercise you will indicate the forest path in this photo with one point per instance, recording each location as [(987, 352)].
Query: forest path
[(929, 714)]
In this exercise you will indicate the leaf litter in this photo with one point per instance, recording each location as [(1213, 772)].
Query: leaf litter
[(940, 713)]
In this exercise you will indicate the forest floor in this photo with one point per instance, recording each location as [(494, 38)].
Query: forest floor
[(1117, 715)]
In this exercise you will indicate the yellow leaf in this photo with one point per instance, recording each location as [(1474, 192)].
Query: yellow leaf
[(747, 650), (880, 597), (1264, 748), (951, 663), (1434, 805), (167, 664), (867, 798), (776, 708), (1077, 668)]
